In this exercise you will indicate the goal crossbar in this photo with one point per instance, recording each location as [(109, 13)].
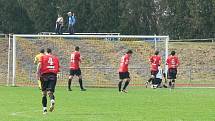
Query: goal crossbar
[(92, 36)]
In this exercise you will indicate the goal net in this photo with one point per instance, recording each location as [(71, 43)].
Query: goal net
[(3, 58), (101, 55)]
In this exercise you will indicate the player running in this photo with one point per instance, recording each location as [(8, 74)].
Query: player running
[(123, 71), (36, 61), (47, 70), (155, 61), (173, 63), (75, 69)]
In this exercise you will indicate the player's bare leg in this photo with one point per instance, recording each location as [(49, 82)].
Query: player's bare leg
[(173, 84), (149, 81), (126, 84), (165, 81), (44, 102), (69, 83), (170, 83), (120, 85), (81, 83), (52, 101), (39, 84)]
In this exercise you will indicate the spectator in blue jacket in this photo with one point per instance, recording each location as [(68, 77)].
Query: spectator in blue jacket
[(71, 23)]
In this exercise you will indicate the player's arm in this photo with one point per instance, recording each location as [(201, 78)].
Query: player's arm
[(38, 70), (167, 61), (159, 63), (126, 61), (35, 60), (177, 63), (58, 63), (150, 60), (80, 59), (39, 65)]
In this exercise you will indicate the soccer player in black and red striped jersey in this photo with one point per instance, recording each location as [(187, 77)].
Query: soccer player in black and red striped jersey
[(155, 61), (75, 69), (173, 63), (47, 70), (124, 75)]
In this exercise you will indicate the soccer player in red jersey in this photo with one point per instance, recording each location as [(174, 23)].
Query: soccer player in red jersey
[(47, 70), (123, 71), (173, 63), (75, 69), (155, 61)]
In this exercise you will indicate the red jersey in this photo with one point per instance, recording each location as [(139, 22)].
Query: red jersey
[(124, 63), (172, 61), (155, 61), (75, 60), (49, 64)]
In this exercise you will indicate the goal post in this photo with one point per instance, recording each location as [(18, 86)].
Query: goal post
[(8, 63), (116, 42)]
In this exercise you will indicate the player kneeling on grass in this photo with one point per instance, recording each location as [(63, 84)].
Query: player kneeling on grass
[(123, 71), (164, 84), (157, 82), (47, 70), (173, 63)]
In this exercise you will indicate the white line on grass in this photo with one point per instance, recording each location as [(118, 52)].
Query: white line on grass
[(24, 113), (195, 87)]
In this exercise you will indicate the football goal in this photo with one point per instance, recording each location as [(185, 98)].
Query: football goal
[(101, 55)]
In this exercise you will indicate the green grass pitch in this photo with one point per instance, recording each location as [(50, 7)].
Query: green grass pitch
[(107, 104)]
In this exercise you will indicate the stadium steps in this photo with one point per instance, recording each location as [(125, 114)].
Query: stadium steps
[(190, 55), (26, 69), (197, 59), (3, 58), (108, 55), (64, 49)]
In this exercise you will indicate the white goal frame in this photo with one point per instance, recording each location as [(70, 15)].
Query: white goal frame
[(154, 37)]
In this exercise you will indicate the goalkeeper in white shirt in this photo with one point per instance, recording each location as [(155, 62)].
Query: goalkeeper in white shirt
[(158, 79)]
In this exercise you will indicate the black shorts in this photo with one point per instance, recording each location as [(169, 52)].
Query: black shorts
[(156, 81), (75, 72), (154, 73), (48, 82), (172, 72), (124, 75)]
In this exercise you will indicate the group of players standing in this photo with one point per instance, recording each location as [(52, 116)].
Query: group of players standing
[(156, 70), (157, 73), (48, 67)]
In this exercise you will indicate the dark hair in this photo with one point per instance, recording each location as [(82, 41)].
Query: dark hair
[(42, 51), (156, 52), (173, 53), (129, 52), (77, 48), (49, 50)]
